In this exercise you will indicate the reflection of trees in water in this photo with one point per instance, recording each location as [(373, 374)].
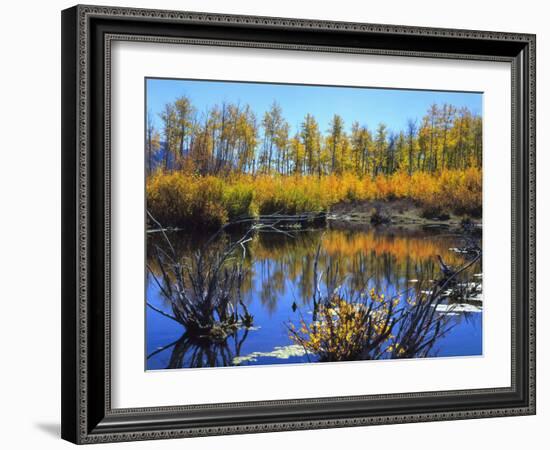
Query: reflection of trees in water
[(204, 289), (273, 264), (189, 351), (370, 323), (273, 275), (384, 260)]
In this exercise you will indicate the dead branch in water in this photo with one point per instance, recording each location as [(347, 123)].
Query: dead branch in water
[(204, 290), (361, 325)]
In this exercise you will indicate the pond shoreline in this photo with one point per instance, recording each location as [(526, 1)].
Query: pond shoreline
[(283, 273), (379, 214), (400, 213)]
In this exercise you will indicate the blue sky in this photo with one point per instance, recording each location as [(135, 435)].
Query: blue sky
[(368, 106)]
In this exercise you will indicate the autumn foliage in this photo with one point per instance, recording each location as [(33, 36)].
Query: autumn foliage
[(206, 168), (347, 331), (189, 200)]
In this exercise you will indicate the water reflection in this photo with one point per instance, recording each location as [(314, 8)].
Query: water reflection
[(188, 351), (278, 288)]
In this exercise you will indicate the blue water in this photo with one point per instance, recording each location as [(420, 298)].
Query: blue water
[(279, 286)]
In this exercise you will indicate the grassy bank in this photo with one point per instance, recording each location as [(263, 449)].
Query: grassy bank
[(189, 201)]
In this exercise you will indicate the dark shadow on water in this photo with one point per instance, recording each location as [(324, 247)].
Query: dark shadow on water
[(192, 352), (53, 429)]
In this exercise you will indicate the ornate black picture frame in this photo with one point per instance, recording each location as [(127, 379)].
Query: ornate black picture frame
[(87, 34)]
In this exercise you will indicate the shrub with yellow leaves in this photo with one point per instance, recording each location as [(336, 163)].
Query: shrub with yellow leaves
[(371, 326), (347, 331), (186, 200)]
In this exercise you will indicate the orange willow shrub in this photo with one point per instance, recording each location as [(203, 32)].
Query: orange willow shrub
[(291, 194), (238, 199), (184, 200), (453, 190)]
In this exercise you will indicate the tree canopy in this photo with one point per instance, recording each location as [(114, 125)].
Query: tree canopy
[(229, 138)]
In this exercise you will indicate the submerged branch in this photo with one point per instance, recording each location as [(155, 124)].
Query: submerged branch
[(354, 325), (160, 311)]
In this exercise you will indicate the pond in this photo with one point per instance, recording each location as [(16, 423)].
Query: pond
[(278, 288)]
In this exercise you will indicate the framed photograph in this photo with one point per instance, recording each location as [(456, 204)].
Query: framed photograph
[(280, 224)]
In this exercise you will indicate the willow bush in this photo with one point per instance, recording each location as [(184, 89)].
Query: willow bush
[(347, 331), (179, 199)]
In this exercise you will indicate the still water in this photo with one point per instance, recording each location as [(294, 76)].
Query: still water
[(278, 288)]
